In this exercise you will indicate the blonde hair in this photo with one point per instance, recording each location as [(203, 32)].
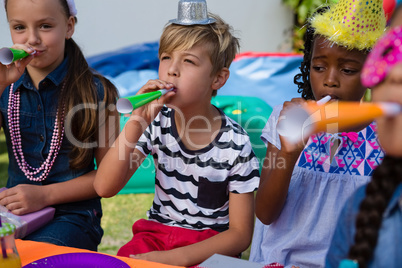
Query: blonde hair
[(221, 44)]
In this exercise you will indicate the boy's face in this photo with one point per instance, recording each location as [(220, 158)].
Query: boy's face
[(335, 71), (190, 72)]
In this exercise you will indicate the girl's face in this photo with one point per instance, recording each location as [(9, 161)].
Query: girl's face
[(190, 72), (390, 90), (43, 26), (335, 71)]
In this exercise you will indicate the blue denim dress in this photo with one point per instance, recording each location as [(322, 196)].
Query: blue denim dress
[(388, 251), (74, 224)]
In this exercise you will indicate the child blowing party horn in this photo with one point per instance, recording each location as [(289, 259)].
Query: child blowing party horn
[(9, 55), (127, 105), (333, 117)]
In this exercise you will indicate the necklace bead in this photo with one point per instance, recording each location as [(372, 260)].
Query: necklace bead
[(15, 133)]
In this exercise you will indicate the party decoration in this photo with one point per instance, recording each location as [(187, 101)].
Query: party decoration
[(355, 24), (389, 7), (191, 12), (334, 117), (9, 55), (127, 105), (385, 54)]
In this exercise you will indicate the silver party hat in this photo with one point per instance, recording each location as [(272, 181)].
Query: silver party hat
[(192, 12)]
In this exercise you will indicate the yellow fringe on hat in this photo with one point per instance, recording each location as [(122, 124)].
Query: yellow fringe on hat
[(356, 36)]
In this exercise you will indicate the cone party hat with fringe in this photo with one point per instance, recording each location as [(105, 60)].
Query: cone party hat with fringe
[(354, 24)]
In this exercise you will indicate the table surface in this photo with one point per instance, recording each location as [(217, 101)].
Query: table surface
[(31, 251)]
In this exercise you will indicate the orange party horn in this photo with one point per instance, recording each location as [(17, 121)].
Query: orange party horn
[(338, 116)]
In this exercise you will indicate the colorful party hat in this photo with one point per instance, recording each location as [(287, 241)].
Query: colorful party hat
[(355, 24)]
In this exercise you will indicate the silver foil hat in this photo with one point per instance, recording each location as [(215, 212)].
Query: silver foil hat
[(192, 12)]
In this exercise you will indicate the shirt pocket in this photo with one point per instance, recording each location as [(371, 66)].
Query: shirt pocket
[(212, 194), (25, 120)]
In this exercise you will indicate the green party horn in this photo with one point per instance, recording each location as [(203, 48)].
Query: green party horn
[(128, 104), (9, 55)]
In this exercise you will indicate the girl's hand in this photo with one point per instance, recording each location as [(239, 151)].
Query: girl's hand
[(12, 72), (23, 199), (286, 146), (146, 114)]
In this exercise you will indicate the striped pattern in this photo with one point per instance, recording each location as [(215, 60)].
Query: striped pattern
[(192, 187)]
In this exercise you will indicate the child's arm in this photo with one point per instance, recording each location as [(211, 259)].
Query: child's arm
[(276, 174), (11, 73), (230, 242), (25, 198), (122, 159), (274, 184), (120, 162)]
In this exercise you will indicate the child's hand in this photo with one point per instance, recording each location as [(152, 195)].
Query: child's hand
[(154, 256), (286, 146), (148, 112), (12, 72), (23, 199)]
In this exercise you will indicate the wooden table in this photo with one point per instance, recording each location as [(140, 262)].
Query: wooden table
[(30, 251)]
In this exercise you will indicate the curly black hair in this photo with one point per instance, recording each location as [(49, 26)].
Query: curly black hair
[(302, 80), (386, 178)]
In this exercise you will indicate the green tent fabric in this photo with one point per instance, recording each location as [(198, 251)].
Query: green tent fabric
[(250, 112)]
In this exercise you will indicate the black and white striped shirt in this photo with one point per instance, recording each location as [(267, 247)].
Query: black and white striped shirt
[(192, 187)]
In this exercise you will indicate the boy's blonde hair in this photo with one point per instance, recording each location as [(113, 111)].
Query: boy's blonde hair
[(217, 37)]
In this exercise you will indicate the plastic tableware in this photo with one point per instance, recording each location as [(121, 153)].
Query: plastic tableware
[(78, 260)]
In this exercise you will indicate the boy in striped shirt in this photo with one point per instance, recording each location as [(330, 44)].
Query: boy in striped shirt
[(206, 171)]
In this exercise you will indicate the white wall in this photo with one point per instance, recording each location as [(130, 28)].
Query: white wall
[(107, 25)]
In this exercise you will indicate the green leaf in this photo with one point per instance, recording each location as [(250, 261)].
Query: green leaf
[(302, 13), (291, 3)]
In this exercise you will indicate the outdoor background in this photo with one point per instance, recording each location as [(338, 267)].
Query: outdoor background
[(274, 26), (105, 25)]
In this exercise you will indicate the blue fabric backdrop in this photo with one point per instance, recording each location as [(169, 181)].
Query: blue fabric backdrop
[(264, 75)]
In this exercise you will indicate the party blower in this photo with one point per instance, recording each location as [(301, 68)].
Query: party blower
[(127, 105), (334, 117), (9, 55)]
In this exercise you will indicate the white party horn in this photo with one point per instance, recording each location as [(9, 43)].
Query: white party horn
[(295, 121), (324, 100)]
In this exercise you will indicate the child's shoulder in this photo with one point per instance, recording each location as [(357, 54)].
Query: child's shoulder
[(229, 123)]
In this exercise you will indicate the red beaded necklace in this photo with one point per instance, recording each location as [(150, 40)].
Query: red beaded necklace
[(15, 134)]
